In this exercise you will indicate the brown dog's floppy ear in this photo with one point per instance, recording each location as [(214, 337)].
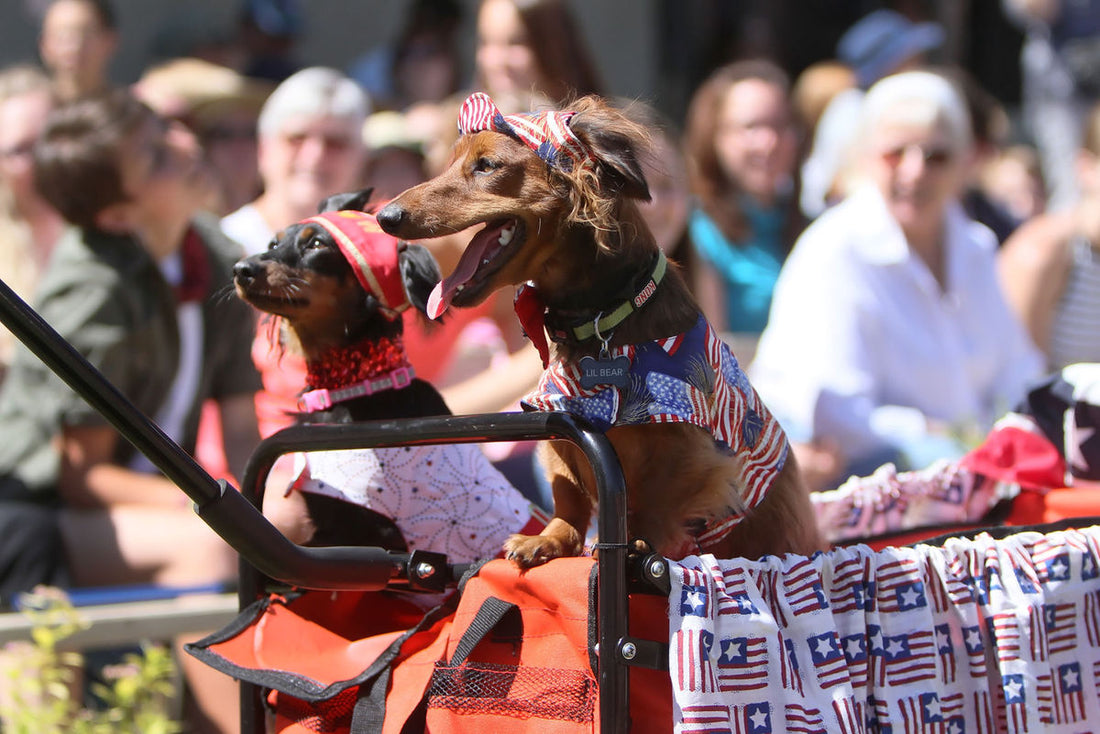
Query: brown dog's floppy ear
[(419, 272), (615, 142), (349, 201)]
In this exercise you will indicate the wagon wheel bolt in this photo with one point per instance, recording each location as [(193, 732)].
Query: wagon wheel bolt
[(629, 651), (657, 569), (424, 570)]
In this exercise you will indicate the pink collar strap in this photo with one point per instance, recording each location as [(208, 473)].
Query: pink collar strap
[(316, 400), (546, 133), (372, 254)]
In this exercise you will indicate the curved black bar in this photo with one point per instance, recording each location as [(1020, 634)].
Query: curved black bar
[(245, 528), (611, 559)]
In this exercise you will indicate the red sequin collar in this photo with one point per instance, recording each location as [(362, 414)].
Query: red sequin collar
[(363, 361)]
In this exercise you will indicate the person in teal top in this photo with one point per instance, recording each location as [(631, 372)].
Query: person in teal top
[(748, 270), (742, 144)]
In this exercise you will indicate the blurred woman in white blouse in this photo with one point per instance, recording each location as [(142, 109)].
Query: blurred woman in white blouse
[(889, 335)]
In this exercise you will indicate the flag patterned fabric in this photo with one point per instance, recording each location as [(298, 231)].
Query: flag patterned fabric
[(887, 501), (546, 133), (690, 378), (979, 636)]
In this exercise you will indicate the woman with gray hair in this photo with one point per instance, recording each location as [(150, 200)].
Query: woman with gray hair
[(889, 335)]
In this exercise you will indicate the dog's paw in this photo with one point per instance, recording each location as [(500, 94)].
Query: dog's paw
[(533, 550)]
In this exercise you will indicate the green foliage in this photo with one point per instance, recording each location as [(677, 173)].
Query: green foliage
[(40, 689)]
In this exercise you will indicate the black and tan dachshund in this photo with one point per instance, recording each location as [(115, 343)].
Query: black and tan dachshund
[(340, 285), (307, 280), (327, 315)]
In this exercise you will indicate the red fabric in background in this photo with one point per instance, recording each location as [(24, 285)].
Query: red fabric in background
[(1018, 456)]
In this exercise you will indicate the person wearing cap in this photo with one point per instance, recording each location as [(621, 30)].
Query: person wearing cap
[(395, 160), (881, 43), (889, 334), (135, 286), (885, 42), (220, 106)]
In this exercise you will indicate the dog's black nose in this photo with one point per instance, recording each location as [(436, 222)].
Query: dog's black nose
[(389, 218), (245, 271)]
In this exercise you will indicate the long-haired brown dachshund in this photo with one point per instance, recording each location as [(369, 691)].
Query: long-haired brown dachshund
[(339, 285), (707, 468)]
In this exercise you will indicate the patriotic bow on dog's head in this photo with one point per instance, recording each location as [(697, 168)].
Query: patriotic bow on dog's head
[(546, 133), (372, 255)]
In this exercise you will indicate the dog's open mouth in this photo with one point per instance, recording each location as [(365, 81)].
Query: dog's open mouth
[(487, 253)]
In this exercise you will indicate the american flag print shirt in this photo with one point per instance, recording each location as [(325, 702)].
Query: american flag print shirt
[(689, 378)]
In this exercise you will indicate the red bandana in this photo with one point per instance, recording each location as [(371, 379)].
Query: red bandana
[(372, 254), (348, 365)]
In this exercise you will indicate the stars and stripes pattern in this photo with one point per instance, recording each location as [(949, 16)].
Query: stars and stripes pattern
[(1069, 688), (1091, 614), (742, 662), (974, 642), (547, 133), (689, 378), (979, 635), (888, 501), (945, 648)]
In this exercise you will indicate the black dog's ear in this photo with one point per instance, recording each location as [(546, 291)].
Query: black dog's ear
[(616, 142), (349, 201), (419, 272)]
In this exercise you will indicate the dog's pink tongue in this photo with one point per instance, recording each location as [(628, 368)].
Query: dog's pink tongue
[(435, 301), (444, 290)]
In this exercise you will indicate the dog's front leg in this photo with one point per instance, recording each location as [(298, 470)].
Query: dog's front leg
[(563, 536)]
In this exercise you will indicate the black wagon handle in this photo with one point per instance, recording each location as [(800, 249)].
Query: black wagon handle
[(242, 525)]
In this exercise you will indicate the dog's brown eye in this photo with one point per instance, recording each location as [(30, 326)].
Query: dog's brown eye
[(484, 165), (315, 243)]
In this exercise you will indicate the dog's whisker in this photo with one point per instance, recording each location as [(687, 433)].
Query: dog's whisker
[(224, 294)]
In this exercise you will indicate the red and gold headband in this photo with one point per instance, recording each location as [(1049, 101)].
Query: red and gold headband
[(372, 254)]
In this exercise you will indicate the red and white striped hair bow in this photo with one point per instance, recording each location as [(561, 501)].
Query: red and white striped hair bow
[(546, 133)]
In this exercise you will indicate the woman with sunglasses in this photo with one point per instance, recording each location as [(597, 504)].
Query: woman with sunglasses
[(889, 337)]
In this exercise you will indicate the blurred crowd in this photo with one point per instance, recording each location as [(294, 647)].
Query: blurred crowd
[(893, 252)]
